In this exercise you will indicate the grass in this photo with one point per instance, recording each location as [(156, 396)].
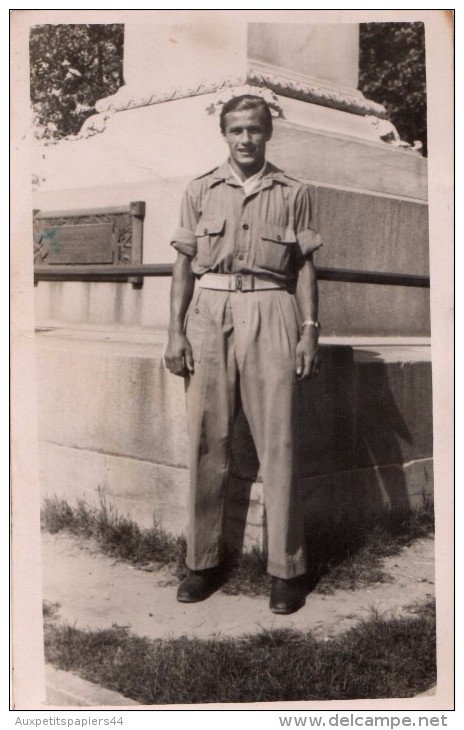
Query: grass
[(116, 535), (352, 557), (345, 558), (380, 657)]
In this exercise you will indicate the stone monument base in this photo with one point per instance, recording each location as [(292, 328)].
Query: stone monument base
[(365, 432)]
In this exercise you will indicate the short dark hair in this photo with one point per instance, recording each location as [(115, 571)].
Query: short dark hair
[(242, 103)]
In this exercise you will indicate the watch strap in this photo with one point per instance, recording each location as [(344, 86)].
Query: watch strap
[(312, 323)]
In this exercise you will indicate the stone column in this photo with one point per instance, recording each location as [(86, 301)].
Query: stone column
[(309, 49), (297, 61), (183, 54)]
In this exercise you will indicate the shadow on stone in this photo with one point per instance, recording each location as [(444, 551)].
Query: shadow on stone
[(360, 424)]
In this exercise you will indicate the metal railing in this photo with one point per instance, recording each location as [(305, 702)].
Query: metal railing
[(140, 271)]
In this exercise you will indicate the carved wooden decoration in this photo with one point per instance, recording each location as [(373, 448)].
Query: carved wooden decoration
[(90, 238)]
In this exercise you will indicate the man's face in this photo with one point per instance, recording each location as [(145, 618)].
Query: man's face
[(246, 135)]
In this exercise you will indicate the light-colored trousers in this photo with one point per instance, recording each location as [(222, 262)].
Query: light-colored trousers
[(244, 346)]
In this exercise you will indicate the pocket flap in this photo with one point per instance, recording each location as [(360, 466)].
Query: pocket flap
[(210, 227), (279, 234)]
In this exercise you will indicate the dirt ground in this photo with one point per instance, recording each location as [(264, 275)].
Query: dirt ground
[(94, 591)]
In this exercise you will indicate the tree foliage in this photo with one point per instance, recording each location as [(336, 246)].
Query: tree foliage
[(392, 72), (72, 66)]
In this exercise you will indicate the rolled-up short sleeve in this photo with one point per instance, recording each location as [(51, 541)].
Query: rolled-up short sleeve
[(308, 239), (184, 239)]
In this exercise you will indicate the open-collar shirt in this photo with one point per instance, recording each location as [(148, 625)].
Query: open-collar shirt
[(250, 183), (229, 230)]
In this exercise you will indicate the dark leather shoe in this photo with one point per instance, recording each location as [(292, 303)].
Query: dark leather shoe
[(286, 595), (198, 585)]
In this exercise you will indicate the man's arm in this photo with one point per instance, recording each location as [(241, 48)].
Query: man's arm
[(178, 356), (307, 351)]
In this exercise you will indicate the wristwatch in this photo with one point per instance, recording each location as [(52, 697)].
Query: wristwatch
[(312, 323)]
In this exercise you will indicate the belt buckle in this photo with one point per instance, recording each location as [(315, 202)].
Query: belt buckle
[(238, 282)]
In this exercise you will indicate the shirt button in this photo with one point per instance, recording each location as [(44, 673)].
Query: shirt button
[(241, 257), (245, 226), (279, 238), (196, 310), (205, 231)]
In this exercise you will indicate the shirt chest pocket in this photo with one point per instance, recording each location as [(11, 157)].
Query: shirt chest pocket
[(209, 234), (274, 248)]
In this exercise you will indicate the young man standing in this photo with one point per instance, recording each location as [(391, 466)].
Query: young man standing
[(245, 240)]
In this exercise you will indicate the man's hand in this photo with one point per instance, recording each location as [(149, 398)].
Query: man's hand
[(308, 357), (178, 356)]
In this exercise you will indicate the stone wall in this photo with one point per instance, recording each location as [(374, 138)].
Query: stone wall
[(112, 420)]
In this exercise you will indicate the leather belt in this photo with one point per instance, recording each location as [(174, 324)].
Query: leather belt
[(239, 282)]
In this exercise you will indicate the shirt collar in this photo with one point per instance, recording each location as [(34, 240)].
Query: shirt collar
[(250, 184), (270, 172)]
